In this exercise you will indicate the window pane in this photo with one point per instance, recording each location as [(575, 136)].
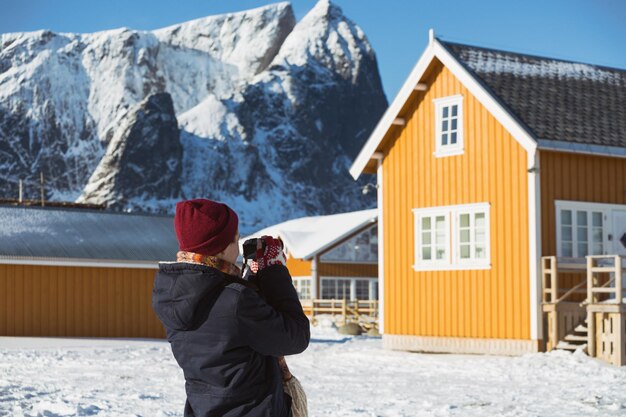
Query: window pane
[(440, 223), (582, 249), (453, 138), (445, 111), (566, 249), (453, 124), (362, 289), (328, 288), (426, 253), (465, 235), (444, 126), (454, 110), (481, 253), (441, 252), (440, 237), (597, 234), (426, 238), (425, 223), (566, 217), (582, 234), (464, 220), (479, 220), (597, 249), (444, 139), (597, 219), (465, 251), (479, 236), (581, 218), (566, 233)]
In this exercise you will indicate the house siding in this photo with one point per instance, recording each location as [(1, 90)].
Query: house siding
[(59, 301), (576, 177), (492, 303)]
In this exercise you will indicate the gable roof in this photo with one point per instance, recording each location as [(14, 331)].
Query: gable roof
[(28, 233), (503, 83), (308, 236), (557, 100)]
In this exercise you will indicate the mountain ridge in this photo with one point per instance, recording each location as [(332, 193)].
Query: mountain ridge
[(269, 120)]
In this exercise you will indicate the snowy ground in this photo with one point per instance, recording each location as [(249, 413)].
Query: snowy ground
[(343, 376)]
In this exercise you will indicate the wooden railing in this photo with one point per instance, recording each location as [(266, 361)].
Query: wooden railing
[(603, 276), (604, 264), (357, 310), (563, 310), (551, 285)]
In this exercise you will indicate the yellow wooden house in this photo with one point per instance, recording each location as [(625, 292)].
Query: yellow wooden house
[(488, 161)]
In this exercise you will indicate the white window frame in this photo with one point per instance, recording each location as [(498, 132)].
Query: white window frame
[(574, 206), (433, 213), (453, 261), (472, 211), (353, 280), (458, 148), (297, 280)]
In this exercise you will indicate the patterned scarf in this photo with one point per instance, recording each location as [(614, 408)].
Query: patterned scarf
[(212, 261)]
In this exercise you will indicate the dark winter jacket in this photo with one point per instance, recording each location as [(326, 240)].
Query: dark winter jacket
[(226, 337)]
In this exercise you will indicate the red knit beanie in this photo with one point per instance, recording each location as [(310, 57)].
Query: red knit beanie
[(204, 226)]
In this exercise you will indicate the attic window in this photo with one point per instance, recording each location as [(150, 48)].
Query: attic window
[(449, 126)]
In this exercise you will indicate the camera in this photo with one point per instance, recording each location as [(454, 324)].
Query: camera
[(249, 248)]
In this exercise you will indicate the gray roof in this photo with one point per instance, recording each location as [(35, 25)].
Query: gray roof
[(85, 234), (555, 100)]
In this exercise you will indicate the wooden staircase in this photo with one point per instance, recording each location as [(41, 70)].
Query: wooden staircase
[(576, 339)]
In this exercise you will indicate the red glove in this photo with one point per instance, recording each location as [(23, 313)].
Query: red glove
[(273, 254)]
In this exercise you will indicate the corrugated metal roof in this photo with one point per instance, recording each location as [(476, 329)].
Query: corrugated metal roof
[(85, 234)]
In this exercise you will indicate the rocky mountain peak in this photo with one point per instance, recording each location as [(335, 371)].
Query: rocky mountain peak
[(142, 161), (326, 36)]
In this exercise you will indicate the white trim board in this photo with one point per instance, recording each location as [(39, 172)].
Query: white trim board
[(74, 262), (581, 148), (585, 205), (465, 345), (436, 50), (534, 246), (381, 245)]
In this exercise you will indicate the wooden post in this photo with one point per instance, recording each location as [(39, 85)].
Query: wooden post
[(618, 279), (553, 280), (21, 193), (544, 281), (589, 280), (591, 333)]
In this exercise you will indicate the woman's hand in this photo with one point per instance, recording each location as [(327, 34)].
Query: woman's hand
[(273, 253)]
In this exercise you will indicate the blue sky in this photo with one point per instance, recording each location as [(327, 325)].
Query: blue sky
[(590, 31)]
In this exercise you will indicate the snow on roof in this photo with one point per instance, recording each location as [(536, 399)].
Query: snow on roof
[(307, 236)]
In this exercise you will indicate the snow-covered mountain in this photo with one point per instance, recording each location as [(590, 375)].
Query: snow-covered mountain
[(271, 111)]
